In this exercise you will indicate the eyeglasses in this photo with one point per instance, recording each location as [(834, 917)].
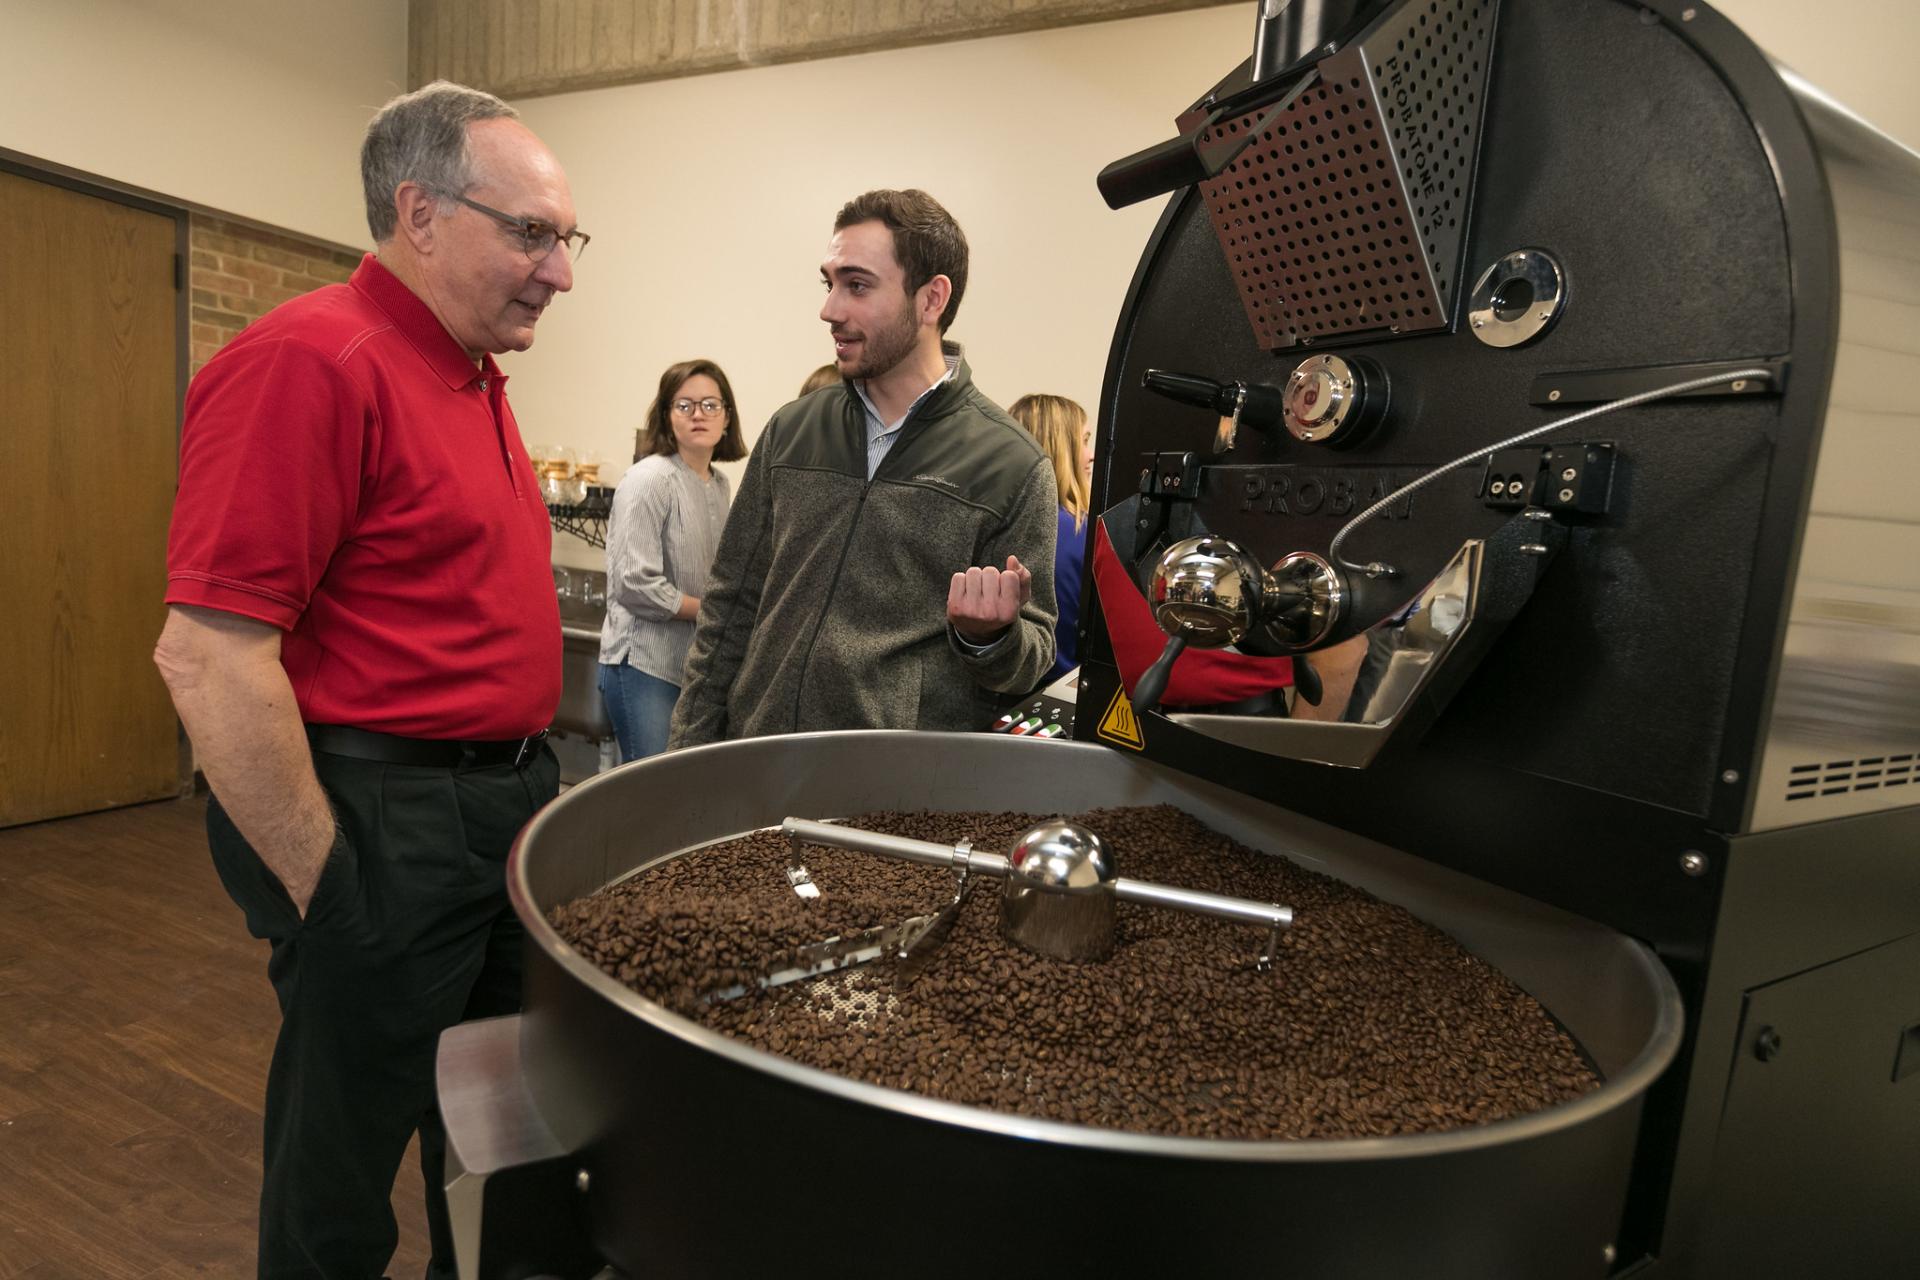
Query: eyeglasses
[(709, 406), (538, 238)]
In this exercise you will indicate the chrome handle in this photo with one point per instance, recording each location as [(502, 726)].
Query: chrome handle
[(1210, 592)]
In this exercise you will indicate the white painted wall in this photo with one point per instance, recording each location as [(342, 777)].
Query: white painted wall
[(251, 107), (1860, 52), (711, 199)]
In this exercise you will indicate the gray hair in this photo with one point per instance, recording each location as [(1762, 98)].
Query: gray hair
[(421, 137)]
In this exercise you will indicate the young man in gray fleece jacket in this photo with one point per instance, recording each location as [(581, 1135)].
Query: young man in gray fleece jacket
[(888, 563)]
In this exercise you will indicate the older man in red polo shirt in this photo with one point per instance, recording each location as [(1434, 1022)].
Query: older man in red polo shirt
[(363, 643)]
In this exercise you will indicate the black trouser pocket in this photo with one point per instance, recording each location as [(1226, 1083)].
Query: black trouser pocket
[(259, 893)]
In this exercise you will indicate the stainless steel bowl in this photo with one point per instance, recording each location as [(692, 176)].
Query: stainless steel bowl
[(705, 1156)]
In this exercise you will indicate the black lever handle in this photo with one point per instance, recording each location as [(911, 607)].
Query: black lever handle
[(1306, 681), (1190, 388), (1146, 694), (1262, 407), (1166, 166), (1200, 152)]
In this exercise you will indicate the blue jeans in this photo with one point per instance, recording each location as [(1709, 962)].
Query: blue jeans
[(641, 708)]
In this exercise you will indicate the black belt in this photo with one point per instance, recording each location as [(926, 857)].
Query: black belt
[(364, 744)]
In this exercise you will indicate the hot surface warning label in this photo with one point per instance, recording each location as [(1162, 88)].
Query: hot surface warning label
[(1120, 725)]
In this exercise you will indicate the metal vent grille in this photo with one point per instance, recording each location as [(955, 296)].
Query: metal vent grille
[(1348, 213), (1839, 777), (1430, 81)]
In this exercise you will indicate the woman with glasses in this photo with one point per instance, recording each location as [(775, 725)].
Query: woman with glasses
[(668, 512), (1061, 427)]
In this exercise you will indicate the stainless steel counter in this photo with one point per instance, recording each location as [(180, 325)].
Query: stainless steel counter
[(581, 709), (582, 713)]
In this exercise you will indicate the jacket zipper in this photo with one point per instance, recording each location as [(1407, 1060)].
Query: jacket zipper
[(846, 545)]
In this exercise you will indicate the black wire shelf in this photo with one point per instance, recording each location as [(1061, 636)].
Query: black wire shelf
[(586, 520)]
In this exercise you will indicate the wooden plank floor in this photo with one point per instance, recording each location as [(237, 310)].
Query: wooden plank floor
[(136, 1022)]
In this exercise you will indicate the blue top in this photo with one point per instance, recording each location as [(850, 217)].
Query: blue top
[(1069, 574)]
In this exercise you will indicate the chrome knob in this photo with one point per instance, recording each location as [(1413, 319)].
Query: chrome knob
[(1328, 400), (1058, 895), (1061, 855), (1210, 592), (1305, 601), (1207, 591)]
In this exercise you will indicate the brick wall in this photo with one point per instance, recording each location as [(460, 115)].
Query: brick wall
[(239, 273)]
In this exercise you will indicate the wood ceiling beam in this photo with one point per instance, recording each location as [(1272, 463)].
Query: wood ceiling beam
[(526, 48)]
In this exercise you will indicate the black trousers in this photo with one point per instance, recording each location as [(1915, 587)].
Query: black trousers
[(408, 933)]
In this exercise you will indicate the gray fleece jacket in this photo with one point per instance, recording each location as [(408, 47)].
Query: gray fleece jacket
[(827, 604)]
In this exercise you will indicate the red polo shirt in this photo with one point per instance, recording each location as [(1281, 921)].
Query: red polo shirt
[(348, 475)]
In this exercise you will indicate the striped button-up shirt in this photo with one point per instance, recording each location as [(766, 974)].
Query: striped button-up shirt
[(661, 539), (880, 433)]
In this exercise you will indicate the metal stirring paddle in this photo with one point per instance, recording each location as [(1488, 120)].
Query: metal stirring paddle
[(1061, 889)]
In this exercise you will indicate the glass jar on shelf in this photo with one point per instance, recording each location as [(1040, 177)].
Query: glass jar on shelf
[(586, 469), (556, 478)]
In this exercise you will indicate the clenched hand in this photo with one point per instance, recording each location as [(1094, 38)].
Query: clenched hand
[(982, 603)]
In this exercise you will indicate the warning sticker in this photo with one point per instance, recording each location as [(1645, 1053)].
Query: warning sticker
[(1119, 725)]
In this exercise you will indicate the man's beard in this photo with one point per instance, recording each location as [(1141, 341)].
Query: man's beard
[(883, 351)]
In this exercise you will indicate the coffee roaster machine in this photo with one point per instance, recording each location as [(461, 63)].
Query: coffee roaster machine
[(1538, 377)]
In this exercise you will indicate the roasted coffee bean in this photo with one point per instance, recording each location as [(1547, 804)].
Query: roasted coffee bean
[(1370, 1023)]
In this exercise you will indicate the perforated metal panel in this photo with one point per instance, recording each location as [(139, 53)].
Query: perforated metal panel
[(1347, 214)]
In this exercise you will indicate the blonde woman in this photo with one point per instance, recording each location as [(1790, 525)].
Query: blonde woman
[(1062, 429), (827, 375)]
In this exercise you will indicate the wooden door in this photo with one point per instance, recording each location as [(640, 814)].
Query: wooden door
[(88, 456)]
